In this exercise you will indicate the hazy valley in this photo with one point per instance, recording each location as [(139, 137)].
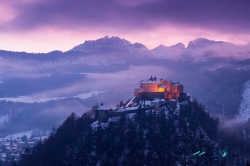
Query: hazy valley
[(39, 86)]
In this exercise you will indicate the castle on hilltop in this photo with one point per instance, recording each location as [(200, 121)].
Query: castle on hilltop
[(154, 88), (152, 94)]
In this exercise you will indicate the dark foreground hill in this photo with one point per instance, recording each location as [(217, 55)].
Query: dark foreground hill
[(148, 137)]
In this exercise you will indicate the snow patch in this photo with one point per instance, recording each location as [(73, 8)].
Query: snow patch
[(26, 99), (214, 69), (126, 109), (87, 95), (243, 67), (18, 135), (96, 124), (5, 119), (131, 116), (2, 119), (244, 111)]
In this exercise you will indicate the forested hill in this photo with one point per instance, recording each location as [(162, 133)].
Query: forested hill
[(148, 137)]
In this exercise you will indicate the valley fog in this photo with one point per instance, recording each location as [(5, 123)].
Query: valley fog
[(41, 90)]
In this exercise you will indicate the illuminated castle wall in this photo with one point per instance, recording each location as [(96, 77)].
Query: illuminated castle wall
[(152, 88)]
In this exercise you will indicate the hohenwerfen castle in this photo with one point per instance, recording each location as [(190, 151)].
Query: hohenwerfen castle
[(153, 88), (152, 94)]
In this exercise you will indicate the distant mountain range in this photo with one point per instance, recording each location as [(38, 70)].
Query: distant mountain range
[(122, 44), (197, 47), (114, 47)]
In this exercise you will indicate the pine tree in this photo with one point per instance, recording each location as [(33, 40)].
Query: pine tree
[(121, 103)]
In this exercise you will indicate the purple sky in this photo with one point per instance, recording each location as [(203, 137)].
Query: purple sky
[(46, 25)]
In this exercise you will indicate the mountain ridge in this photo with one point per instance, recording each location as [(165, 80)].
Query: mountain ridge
[(115, 47), (114, 50)]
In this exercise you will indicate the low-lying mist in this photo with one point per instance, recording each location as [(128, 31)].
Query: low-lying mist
[(54, 87)]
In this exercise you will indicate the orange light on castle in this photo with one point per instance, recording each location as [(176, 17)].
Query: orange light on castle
[(161, 89), (154, 88)]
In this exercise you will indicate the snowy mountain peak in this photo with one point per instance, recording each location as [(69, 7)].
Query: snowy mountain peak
[(160, 47), (178, 46), (202, 42), (113, 42), (169, 52)]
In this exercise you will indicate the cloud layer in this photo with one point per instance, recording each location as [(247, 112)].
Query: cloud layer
[(218, 15), (161, 19)]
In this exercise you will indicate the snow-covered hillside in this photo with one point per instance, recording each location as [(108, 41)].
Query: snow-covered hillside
[(244, 110), (148, 137)]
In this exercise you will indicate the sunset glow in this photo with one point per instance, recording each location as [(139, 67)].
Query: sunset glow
[(44, 26)]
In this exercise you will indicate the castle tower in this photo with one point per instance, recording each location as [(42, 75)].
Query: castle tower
[(103, 113)]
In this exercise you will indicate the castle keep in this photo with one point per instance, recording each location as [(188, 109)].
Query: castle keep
[(153, 88)]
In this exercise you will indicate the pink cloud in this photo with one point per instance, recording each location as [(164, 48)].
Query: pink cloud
[(44, 25)]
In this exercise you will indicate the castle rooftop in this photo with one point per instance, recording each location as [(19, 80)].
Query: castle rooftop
[(149, 81), (102, 107)]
